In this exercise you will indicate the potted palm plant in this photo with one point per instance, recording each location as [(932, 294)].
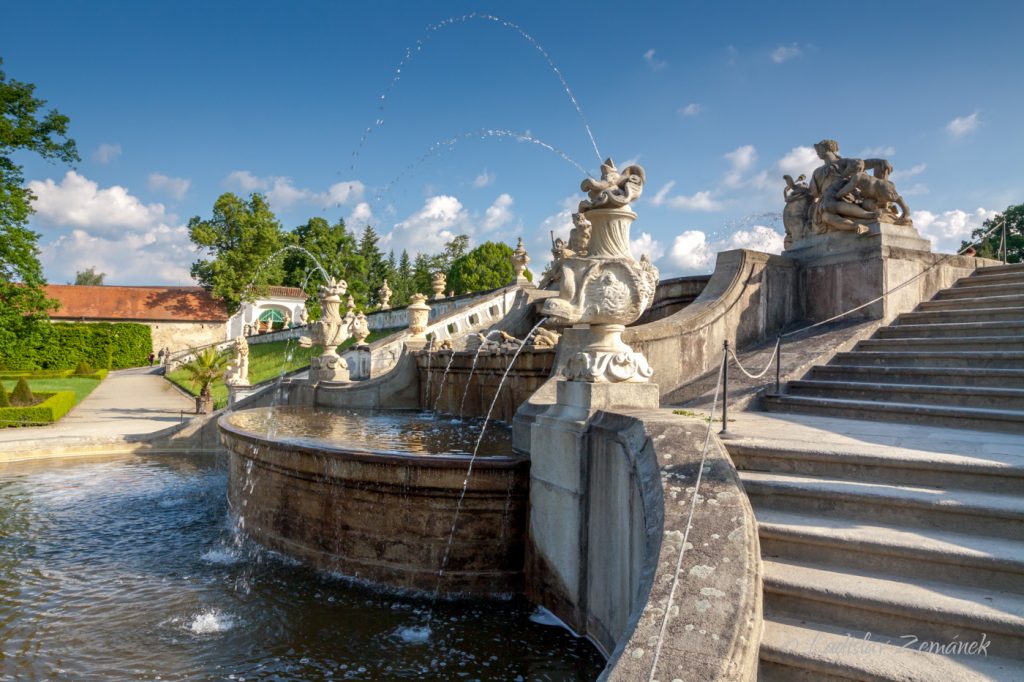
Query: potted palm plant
[(205, 368)]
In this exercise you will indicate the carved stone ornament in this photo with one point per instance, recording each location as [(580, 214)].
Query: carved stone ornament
[(520, 259), (438, 283), (419, 313), (360, 329), (842, 196), (608, 288), (330, 331), (384, 294), (238, 370)]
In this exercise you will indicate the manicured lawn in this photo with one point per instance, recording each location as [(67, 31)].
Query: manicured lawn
[(266, 361), (81, 386)]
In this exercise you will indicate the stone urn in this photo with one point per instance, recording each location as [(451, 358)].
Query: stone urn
[(384, 295), (607, 289), (419, 313), (438, 283), (360, 329), (520, 259), (330, 331)]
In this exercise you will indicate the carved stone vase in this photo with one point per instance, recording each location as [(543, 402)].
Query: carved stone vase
[(419, 313), (330, 331), (604, 292)]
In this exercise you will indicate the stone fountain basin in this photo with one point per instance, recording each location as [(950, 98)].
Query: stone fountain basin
[(338, 490)]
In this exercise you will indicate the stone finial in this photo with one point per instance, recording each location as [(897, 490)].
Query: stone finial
[(384, 294), (419, 314), (520, 259), (614, 189), (360, 329), (438, 283), (350, 304)]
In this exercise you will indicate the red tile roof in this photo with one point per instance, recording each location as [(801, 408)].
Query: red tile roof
[(286, 292), (140, 304)]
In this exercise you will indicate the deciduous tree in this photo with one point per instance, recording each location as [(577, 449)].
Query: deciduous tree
[(991, 246)]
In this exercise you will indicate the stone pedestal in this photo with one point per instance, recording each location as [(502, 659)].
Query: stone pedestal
[(558, 495), (237, 393), (842, 270)]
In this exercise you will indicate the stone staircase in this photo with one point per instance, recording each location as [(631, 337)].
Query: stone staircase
[(873, 551), (958, 357)]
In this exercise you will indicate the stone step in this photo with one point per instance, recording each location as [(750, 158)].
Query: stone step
[(1005, 301), (982, 290), (797, 650), (964, 359), (982, 419), (1012, 328), (1000, 269), (989, 472), (942, 376), (923, 610), (947, 343), (964, 314), (930, 394), (968, 511), (897, 550), (983, 278)]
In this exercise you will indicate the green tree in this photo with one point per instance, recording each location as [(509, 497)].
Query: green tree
[(402, 284), (991, 246), (376, 268), (241, 237), (204, 369), (89, 277), (333, 246), (24, 127), (422, 271), (488, 266)]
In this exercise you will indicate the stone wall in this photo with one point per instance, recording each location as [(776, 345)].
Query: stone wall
[(182, 335), (446, 384)]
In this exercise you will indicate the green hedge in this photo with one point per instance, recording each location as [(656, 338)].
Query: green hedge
[(100, 374), (62, 345), (53, 407)]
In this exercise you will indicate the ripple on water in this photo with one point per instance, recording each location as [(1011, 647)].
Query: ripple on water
[(211, 622)]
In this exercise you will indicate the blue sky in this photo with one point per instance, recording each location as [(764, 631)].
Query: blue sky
[(174, 103)]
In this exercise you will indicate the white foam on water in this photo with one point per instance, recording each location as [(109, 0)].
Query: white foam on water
[(211, 622), (541, 616), (413, 634), (221, 556)]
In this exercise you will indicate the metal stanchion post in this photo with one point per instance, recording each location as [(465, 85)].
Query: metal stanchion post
[(778, 365), (725, 391)]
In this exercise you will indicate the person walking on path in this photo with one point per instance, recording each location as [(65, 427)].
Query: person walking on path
[(151, 358)]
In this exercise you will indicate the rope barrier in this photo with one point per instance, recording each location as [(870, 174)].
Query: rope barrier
[(763, 371), (689, 525)]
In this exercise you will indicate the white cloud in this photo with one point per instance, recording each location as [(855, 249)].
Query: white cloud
[(799, 161), (79, 202), (692, 253), (360, 216), (441, 219), (159, 255), (742, 159), (655, 64), (106, 153), (917, 189), (878, 152), (786, 52), (484, 179), (701, 201), (963, 125), (175, 187), (281, 191), (946, 230), (646, 244), (903, 174), (498, 214), (691, 109), (246, 181)]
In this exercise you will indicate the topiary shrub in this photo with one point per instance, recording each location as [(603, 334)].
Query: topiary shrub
[(52, 407), (84, 368), (22, 395), (4, 400)]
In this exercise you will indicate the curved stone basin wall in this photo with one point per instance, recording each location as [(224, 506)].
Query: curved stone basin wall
[(382, 517)]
